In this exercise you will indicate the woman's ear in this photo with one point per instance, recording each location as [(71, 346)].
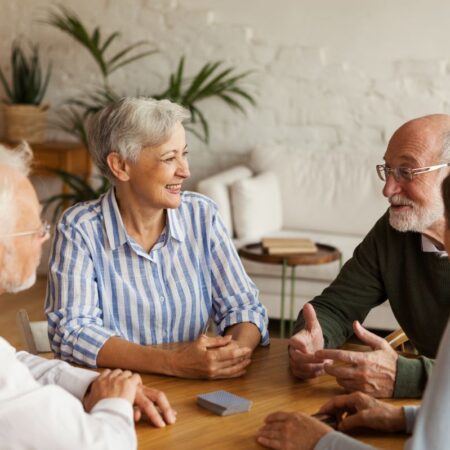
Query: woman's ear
[(118, 166)]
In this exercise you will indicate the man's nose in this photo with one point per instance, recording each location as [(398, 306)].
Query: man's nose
[(391, 186)]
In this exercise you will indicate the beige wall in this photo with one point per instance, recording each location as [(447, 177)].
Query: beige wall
[(331, 75)]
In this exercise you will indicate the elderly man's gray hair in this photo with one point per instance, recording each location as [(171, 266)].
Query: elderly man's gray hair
[(19, 160), (130, 124)]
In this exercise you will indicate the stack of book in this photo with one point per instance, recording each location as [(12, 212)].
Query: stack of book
[(287, 246)]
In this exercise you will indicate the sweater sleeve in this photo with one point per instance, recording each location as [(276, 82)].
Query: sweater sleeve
[(412, 376), (357, 289)]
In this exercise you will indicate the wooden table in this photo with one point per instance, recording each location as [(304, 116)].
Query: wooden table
[(324, 254), (271, 387)]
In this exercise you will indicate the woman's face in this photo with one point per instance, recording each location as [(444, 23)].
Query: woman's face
[(157, 176)]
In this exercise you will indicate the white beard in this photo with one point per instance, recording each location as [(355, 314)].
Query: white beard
[(416, 218), (10, 282), (13, 289)]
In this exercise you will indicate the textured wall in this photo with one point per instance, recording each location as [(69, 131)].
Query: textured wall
[(330, 75)]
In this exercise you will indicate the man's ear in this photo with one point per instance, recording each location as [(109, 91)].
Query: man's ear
[(118, 166)]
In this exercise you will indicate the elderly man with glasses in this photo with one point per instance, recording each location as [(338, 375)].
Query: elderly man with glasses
[(402, 260), (48, 403)]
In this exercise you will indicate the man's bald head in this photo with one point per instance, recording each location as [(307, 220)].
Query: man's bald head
[(429, 133)]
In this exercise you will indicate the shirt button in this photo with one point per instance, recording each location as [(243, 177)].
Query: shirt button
[(162, 299)]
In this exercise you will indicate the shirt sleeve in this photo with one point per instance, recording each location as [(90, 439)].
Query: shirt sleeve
[(410, 417), (339, 441), (55, 419), (235, 296), (412, 376), (355, 291), (71, 379), (431, 430), (74, 314)]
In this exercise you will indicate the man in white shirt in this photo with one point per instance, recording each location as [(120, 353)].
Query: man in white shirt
[(47, 403)]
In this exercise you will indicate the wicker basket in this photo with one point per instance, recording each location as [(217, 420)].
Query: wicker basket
[(25, 122)]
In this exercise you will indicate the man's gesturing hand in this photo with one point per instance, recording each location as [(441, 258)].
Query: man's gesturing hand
[(302, 346), (360, 410), (211, 357), (370, 372)]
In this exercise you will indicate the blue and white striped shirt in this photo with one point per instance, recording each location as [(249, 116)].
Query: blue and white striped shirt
[(102, 283)]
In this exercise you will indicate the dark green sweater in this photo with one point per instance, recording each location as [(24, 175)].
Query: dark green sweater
[(390, 265)]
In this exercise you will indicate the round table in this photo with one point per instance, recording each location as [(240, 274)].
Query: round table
[(325, 254)]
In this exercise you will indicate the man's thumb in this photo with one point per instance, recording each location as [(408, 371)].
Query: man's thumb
[(371, 339), (310, 317)]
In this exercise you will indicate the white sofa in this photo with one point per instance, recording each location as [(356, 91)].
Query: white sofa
[(332, 198)]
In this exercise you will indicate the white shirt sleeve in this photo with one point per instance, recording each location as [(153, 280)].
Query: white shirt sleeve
[(72, 379), (36, 414), (431, 429)]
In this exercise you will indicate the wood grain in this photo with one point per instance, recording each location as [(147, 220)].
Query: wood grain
[(270, 386), (325, 254)]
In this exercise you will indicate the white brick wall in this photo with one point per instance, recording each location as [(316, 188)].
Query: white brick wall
[(329, 74)]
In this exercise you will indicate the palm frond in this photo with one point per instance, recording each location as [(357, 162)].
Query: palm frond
[(212, 80), (68, 22), (80, 191)]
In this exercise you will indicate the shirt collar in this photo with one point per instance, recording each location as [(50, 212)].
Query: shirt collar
[(429, 247), (175, 226), (115, 230)]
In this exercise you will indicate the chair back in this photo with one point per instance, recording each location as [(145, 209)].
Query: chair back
[(33, 334)]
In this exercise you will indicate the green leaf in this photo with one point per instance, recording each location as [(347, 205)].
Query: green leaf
[(108, 41), (27, 85), (130, 60)]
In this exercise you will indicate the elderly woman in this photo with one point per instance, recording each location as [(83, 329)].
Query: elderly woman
[(148, 263)]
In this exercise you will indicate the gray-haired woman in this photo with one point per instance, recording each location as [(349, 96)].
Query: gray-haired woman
[(147, 263)]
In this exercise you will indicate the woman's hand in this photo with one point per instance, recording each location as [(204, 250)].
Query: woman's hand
[(361, 410), (291, 431), (211, 358)]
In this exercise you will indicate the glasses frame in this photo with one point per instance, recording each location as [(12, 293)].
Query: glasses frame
[(405, 173), (42, 231)]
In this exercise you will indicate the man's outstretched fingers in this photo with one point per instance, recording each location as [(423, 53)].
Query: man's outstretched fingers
[(376, 342)]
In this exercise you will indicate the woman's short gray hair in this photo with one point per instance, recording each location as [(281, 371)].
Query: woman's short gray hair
[(18, 159), (130, 124)]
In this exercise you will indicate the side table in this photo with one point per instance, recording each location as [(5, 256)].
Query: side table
[(325, 254)]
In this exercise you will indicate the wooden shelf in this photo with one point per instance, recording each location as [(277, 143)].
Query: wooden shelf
[(71, 157)]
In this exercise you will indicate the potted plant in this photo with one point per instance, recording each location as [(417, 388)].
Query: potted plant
[(25, 114)]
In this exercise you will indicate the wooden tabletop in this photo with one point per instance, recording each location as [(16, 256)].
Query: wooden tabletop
[(271, 387), (325, 254)]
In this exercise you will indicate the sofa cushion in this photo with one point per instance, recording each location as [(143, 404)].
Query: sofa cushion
[(334, 191), (256, 205), (217, 188)]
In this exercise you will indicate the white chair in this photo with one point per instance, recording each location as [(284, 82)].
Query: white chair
[(33, 334)]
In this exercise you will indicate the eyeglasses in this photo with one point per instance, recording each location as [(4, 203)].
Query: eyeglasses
[(405, 173), (41, 232)]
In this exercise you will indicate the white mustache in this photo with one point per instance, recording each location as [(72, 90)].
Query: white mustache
[(400, 200)]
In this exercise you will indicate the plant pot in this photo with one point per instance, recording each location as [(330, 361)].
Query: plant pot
[(25, 123)]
